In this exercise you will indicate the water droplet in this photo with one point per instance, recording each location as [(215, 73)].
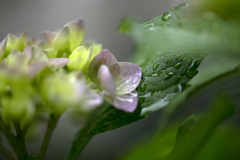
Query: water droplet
[(154, 75), (184, 5), (169, 75), (143, 87), (177, 57), (169, 61), (155, 66), (149, 25), (160, 73), (166, 16), (194, 65), (178, 65)]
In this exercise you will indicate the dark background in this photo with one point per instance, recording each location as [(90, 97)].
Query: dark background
[(101, 18)]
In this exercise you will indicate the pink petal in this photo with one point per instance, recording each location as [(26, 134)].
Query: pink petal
[(127, 102), (49, 36), (93, 100), (77, 25), (127, 76), (106, 82), (58, 62), (28, 52), (36, 67), (3, 45), (103, 58)]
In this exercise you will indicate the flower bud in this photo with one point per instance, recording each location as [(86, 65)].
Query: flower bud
[(80, 59)]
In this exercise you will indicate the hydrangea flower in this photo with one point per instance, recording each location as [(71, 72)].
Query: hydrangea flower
[(80, 59), (68, 43), (116, 80)]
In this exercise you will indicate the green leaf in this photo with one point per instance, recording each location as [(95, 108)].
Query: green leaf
[(166, 76), (157, 148), (197, 137), (207, 89), (194, 133), (226, 9), (112, 118)]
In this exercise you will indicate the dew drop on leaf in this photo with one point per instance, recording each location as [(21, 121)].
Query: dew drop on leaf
[(143, 87), (169, 61), (169, 75), (155, 66), (166, 16), (194, 65), (178, 65)]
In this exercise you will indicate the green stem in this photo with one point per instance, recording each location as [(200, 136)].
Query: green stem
[(17, 142), (6, 150), (82, 137), (51, 126), (80, 141)]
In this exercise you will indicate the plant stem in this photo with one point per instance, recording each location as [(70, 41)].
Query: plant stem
[(6, 150), (82, 137), (51, 126), (17, 142), (78, 146)]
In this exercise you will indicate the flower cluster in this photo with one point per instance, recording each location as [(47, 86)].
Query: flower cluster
[(56, 75)]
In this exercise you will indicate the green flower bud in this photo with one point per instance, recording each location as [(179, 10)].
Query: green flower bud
[(61, 91), (80, 59), (15, 43), (17, 108)]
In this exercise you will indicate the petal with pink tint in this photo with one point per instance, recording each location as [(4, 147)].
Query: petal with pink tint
[(93, 100), (3, 45), (49, 36), (127, 102), (103, 58), (106, 82), (28, 52), (35, 68), (58, 62), (127, 76)]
